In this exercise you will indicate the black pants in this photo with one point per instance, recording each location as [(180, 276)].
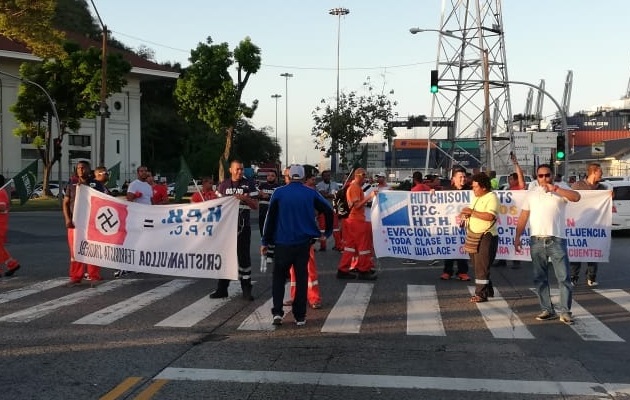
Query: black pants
[(243, 242), (462, 266), (287, 256), (482, 260)]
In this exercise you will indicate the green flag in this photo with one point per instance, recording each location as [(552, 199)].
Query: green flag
[(25, 182), (183, 178), (114, 176)]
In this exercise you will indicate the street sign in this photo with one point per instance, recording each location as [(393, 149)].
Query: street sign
[(598, 149)]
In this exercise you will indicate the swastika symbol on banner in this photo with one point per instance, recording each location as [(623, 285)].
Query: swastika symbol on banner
[(108, 221)]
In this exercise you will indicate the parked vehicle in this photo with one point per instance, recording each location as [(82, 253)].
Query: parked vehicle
[(170, 188), (39, 190), (503, 181), (621, 204), (615, 178)]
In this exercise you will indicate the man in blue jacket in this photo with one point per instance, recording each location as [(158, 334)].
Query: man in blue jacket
[(292, 228)]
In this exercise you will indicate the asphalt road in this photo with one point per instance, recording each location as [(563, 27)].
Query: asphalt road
[(407, 335)]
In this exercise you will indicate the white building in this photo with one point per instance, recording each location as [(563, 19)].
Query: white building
[(122, 128)]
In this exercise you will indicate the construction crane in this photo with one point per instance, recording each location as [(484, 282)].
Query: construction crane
[(566, 96), (539, 102)]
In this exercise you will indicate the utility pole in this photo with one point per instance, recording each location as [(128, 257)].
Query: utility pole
[(339, 11), (286, 77), (103, 112)]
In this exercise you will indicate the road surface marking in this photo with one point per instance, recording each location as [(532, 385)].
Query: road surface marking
[(121, 388), (32, 289), (551, 388), (423, 311), (151, 390), (260, 319), (502, 322), (347, 314), (38, 311), (119, 310), (618, 296), (585, 324), (197, 311)]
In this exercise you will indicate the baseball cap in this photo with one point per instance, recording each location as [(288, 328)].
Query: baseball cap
[(296, 172), (380, 174)]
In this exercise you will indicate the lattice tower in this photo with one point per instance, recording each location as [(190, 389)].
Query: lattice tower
[(470, 29)]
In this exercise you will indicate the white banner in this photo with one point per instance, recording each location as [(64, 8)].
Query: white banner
[(195, 240), (425, 226)]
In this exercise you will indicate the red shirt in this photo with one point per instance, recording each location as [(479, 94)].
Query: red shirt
[(160, 194), (420, 187), (204, 196)]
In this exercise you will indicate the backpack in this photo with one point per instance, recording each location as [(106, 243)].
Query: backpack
[(340, 203)]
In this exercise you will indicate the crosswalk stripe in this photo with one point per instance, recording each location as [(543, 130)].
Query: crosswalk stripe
[(502, 322), (38, 311), (32, 289), (260, 319), (585, 324), (119, 310), (347, 314), (618, 296), (197, 311), (423, 311)]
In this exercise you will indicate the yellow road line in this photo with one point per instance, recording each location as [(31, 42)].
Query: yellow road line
[(152, 389), (122, 388)]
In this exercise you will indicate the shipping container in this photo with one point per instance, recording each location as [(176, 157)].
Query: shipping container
[(467, 144), (410, 144), (607, 122), (587, 138)]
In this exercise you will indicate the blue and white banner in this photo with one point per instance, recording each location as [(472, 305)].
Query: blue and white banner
[(195, 240), (425, 225)]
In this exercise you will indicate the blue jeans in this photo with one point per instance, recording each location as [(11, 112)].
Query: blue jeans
[(554, 248)]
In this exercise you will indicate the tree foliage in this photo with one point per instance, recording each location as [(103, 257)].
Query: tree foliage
[(30, 22), (74, 84), (254, 146), (355, 118), (207, 92)]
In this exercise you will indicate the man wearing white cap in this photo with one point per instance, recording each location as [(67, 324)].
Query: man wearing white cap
[(291, 227)]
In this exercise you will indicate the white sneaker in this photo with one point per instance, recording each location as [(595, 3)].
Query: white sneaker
[(277, 320), (591, 283), (300, 323)]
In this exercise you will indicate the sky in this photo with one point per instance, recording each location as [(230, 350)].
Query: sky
[(544, 40)]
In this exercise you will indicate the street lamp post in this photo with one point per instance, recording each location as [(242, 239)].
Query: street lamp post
[(54, 110), (104, 113), (276, 97), (286, 76), (338, 11), (486, 89)]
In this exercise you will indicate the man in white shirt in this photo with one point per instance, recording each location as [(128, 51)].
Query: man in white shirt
[(139, 190), (328, 188), (544, 207)]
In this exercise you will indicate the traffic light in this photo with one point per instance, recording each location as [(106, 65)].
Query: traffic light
[(434, 81), (560, 148), (56, 149)]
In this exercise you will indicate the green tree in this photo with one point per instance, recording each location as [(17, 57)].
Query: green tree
[(75, 16), (30, 22), (207, 92), (254, 146), (74, 85), (356, 118)]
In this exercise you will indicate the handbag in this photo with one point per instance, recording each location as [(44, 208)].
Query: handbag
[(473, 239)]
